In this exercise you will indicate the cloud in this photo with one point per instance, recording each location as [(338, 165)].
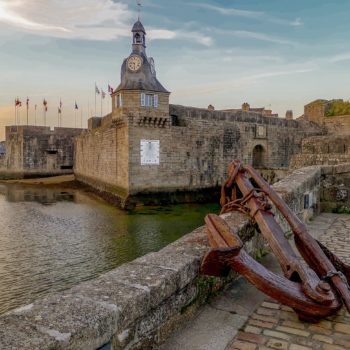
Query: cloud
[(179, 34), (340, 58), (237, 84), (258, 15), (67, 19), (229, 11), (82, 19), (258, 36)]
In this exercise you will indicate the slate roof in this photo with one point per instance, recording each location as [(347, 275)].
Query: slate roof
[(138, 27)]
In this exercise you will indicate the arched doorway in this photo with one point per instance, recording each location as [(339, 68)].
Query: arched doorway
[(259, 156)]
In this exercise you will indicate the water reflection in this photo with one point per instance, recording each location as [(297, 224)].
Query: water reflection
[(51, 239)]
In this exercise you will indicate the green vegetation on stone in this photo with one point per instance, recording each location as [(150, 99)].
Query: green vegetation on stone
[(337, 108), (342, 210)]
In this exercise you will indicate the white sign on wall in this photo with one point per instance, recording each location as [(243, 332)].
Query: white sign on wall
[(149, 152)]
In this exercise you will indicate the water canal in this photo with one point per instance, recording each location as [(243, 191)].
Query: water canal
[(51, 239)]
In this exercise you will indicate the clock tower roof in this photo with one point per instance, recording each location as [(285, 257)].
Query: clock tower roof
[(138, 71), (138, 27)]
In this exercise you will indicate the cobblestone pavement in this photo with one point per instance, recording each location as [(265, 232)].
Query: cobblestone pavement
[(274, 326), (242, 318)]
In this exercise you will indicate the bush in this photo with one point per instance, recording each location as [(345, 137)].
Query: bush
[(338, 108)]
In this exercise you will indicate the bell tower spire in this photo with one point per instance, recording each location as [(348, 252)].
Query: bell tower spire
[(138, 33), (139, 9)]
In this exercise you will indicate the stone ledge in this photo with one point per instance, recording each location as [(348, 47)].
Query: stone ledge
[(127, 305), (137, 304)]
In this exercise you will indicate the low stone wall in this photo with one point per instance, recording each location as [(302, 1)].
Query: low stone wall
[(302, 160), (138, 304), (335, 193), (322, 150)]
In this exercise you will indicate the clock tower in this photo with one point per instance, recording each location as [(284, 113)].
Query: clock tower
[(140, 94)]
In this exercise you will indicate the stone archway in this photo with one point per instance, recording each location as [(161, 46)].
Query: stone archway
[(259, 157)]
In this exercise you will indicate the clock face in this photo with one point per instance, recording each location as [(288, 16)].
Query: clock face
[(134, 63)]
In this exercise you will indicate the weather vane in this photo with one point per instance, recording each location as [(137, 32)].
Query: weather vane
[(139, 8)]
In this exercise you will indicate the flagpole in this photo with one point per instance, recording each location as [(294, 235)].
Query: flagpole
[(95, 101), (27, 110)]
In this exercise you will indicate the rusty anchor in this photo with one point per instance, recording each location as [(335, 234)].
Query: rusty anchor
[(314, 290)]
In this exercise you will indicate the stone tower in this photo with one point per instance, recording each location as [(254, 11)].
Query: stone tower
[(289, 115), (139, 93)]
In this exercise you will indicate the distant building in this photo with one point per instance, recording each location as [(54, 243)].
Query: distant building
[(289, 115), (246, 108)]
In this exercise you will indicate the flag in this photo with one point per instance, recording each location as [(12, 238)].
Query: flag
[(97, 91), (59, 110), (27, 103), (18, 103), (60, 104), (103, 94), (110, 89), (76, 106), (45, 105)]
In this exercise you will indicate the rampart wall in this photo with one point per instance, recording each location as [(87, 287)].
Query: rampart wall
[(194, 151), (337, 125), (34, 151), (101, 159), (137, 305), (322, 150)]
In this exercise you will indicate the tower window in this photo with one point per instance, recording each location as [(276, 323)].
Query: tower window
[(143, 100), (149, 100), (119, 100), (138, 39)]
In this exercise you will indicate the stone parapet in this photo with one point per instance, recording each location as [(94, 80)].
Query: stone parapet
[(138, 304)]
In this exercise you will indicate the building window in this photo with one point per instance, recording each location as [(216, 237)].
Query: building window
[(119, 100), (149, 100), (143, 99)]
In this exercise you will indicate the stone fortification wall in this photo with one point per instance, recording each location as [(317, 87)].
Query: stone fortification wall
[(138, 304), (322, 150), (196, 150), (316, 110), (324, 113), (38, 151), (101, 159), (335, 193), (337, 125)]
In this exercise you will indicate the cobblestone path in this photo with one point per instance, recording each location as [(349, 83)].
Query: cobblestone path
[(274, 326)]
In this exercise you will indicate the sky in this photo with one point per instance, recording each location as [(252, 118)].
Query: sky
[(279, 54)]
